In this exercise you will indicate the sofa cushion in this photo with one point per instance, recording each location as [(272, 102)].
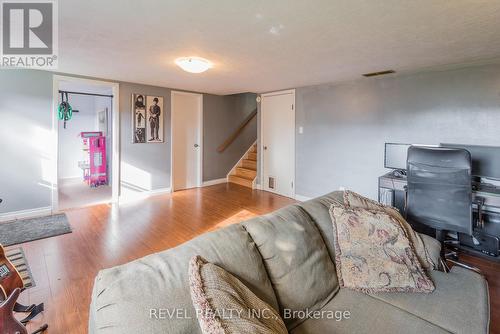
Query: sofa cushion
[(373, 253), (297, 261), (318, 209), (433, 250), (142, 296), (459, 304), (354, 312), (225, 305)]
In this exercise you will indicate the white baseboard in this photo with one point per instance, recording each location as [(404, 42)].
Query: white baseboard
[(213, 182), (23, 214), (258, 186), (135, 196), (302, 198)]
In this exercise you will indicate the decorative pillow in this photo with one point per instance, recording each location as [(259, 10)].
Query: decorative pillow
[(354, 200), (373, 253), (224, 305)]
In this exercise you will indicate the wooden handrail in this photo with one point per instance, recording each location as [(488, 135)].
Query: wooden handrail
[(236, 133)]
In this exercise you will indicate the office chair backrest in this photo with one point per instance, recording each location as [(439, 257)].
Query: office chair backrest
[(440, 188)]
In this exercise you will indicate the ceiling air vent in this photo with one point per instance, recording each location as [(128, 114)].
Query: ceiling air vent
[(374, 74)]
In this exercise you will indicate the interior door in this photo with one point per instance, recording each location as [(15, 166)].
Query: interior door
[(278, 142), (186, 140)]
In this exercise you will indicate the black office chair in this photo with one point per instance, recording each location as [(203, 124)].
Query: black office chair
[(439, 193)]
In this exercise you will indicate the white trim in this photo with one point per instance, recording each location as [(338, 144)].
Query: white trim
[(115, 153), (200, 134), (213, 182), (258, 186), (239, 161), (302, 198), (261, 147), (23, 214), (280, 92), (143, 195)]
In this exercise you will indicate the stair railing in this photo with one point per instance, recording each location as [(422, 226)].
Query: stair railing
[(237, 132)]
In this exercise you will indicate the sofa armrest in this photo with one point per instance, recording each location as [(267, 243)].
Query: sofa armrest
[(459, 304)]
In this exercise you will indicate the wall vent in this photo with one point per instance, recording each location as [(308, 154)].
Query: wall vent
[(271, 182), (374, 74)]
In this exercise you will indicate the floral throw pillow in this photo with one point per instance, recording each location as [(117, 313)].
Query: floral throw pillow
[(373, 253), (354, 200), (224, 305)]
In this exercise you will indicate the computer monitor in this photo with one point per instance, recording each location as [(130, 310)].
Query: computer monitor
[(485, 159), (395, 155)]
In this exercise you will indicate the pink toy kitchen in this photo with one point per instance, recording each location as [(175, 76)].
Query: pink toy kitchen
[(94, 163)]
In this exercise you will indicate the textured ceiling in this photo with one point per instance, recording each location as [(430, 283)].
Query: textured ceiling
[(259, 46)]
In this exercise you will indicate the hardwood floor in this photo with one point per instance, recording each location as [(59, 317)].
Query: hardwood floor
[(103, 236)]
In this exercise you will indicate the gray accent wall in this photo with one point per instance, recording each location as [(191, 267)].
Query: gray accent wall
[(346, 125), (222, 115), (26, 171), (143, 167)]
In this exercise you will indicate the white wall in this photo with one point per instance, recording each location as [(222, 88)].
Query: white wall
[(26, 151), (101, 104), (70, 144)]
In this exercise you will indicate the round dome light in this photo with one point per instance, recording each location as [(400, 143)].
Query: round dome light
[(193, 64)]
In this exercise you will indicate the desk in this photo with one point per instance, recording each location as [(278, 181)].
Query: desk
[(391, 183), (392, 191)]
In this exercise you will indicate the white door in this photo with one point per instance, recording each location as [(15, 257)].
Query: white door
[(278, 142), (187, 113)]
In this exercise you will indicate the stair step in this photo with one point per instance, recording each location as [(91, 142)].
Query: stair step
[(252, 156), (249, 164), (241, 181), (246, 173)]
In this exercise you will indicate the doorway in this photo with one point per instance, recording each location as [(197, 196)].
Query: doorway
[(278, 142), (187, 137), (86, 132)]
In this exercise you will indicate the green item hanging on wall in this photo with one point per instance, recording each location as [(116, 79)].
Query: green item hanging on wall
[(64, 110)]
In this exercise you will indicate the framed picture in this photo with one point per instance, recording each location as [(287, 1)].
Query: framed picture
[(154, 119), (138, 118)]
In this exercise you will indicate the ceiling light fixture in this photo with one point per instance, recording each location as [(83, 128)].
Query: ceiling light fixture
[(193, 64)]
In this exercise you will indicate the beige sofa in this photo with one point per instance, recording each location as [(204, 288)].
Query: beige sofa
[(286, 259)]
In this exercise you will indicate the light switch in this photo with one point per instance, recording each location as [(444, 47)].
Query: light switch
[(301, 130)]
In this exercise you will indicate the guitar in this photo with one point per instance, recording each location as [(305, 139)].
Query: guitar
[(10, 279), (11, 284), (9, 324)]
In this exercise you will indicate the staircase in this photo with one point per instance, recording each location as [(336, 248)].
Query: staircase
[(245, 172)]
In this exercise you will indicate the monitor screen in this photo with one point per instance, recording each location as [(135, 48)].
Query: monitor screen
[(395, 155), (485, 159)]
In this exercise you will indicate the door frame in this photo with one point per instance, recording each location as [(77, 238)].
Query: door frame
[(115, 124), (199, 173), (261, 134)]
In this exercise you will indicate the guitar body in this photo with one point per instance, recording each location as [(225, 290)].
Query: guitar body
[(10, 279), (9, 324), (11, 284)]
